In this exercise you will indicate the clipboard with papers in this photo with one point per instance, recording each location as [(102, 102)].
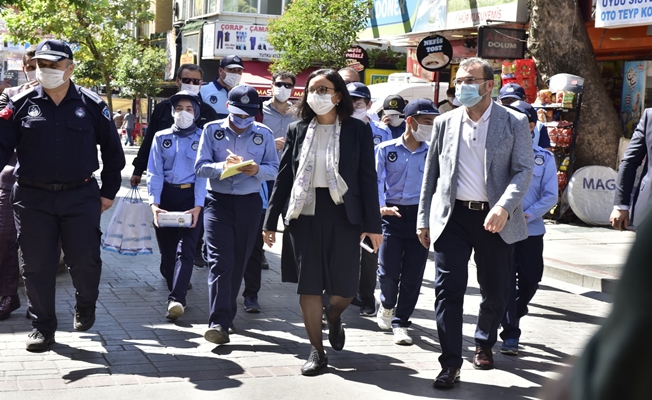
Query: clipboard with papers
[(233, 170)]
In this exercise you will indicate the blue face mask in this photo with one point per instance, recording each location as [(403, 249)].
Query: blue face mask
[(241, 123), (468, 95)]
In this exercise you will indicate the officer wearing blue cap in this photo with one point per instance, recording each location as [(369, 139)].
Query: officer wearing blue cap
[(361, 97), (232, 209), (216, 93), (173, 186), (402, 259), (55, 128), (513, 94), (527, 270)]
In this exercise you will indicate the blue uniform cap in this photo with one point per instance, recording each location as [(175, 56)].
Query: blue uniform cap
[(420, 107), (357, 89), (511, 91), (231, 62), (525, 108), (184, 94), (53, 50), (243, 99)]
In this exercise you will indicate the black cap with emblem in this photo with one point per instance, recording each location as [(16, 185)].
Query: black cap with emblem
[(53, 50)]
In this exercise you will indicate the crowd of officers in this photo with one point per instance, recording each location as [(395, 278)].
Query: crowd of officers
[(201, 133)]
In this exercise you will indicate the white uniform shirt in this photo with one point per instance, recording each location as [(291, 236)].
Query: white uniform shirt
[(471, 184)]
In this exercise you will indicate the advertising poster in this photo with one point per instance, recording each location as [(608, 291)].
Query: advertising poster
[(208, 46), (434, 53), (632, 99), (621, 13), (430, 16), (249, 41), (390, 17), (357, 58), (469, 13)]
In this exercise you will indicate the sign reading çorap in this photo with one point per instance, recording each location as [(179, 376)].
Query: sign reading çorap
[(434, 53), (243, 40), (501, 43), (620, 13)]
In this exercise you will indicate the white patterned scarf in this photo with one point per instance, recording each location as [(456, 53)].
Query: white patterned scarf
[(302, 197)]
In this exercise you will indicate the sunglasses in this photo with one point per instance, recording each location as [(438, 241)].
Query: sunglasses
[(189, 81), (283, 84)]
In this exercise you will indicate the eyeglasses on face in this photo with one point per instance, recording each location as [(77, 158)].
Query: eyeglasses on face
[(283, 84), (189, 81), (321, 90), (468, 81)]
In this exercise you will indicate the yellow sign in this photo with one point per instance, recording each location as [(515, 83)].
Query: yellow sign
[(454, 68), (188, 58), (373, 75)]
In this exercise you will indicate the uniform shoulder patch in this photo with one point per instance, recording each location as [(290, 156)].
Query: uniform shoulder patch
[(167, 143), (91, 95), (392, 156), (106, 113), (538, 159)]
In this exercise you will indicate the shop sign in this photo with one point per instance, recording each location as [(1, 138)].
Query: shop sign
[(430, 16), (468, 13), (501, 43), (373, 75), (389, 17), (247, 41), (415, 68), (434, 53), (208, 46), (620, 13), (187, 58), (357, 58)]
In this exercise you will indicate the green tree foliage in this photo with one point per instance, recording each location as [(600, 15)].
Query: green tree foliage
[(97, 30), (317, 32), (139, 69)]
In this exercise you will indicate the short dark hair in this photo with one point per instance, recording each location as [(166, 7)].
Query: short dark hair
[(450, 92), (344, 107), (189, 67), (29, 54), (128, 109), (352, 70), (487, 68), (284, 75)]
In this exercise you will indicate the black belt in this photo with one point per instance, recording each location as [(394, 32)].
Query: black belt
[(181, 186), (52, 187), (473, 205)]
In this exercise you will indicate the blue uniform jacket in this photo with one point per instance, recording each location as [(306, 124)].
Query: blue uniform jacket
[(400, 172), (543, 191), (216, 96), (380, 132)]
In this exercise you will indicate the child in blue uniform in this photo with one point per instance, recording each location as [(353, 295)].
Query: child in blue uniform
[(173, 186), (528, 254), (399, 164)]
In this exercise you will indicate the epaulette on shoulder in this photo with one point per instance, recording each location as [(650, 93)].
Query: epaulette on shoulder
[(265, 127), (91, 95), (22, 94)]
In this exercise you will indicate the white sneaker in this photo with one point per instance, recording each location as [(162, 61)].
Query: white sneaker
[(175, 310), (401, 336), (384, 317)]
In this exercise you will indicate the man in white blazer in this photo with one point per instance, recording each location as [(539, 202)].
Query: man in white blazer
[(478, 168)]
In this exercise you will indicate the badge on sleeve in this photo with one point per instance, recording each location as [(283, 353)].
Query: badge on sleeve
[(167, 143), (195, 145), (538, 159), (219, 135), (258, 139), (392, 156), (6, 113), (80, 112), (213, 99), (106, 113), (376, 140), (33, 111)]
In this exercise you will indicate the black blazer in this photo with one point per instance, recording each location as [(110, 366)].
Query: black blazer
[(357, 168)]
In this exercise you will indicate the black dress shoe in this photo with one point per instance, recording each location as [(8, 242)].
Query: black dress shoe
[(447, 378), (264, 264), (316, 362), (483, 358), (335, 333), (84, 318), (7, 305), (357, 300)]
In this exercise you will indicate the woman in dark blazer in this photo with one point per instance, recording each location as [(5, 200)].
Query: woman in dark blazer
[(327, 177)]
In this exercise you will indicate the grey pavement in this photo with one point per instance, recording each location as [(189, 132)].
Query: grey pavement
[(133, 352)]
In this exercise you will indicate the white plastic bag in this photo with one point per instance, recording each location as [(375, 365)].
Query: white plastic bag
[(129, 230)]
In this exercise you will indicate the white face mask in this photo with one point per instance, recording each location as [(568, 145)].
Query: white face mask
[(360, 113), (183, 119), (50, 78), (423, 133), (281, 94), (321, 104), (30, 75), (190, 88), (395, 120), (232, 79)]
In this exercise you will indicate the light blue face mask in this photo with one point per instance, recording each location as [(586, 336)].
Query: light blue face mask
[(469, 95), (241, 123)]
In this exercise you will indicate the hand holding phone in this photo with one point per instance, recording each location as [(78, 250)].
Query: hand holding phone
[(365, 246)]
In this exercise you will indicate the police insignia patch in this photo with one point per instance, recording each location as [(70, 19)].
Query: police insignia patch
[(167, 143), (258, 139), (376, 140), (195, 145), (244, 99), (392, 156), (219, 135), (80, 112), (33, 111), (538, 160), (106, 113), (213, 99)]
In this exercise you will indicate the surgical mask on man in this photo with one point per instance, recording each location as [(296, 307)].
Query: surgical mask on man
[(183, 119), (232, 79), (241, 123), (281, 94), (395, 120), (469, 95), (30, 75), (190, 88), (360, 113), (423, 133), (50, 78), (321, 104)]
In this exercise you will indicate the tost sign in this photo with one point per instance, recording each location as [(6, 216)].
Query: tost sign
[(357, 58), (434, 53), (501, 43)]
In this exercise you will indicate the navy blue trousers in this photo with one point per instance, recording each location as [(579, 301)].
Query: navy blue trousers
[(231, 225), (42, 217), (253, 270), (402, 262), (463, 234), (178, 245), (524, 282)]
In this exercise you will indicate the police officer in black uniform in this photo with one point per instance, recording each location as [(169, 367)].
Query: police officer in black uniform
[(55, 128)]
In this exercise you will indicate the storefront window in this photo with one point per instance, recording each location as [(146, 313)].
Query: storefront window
[(271, 7), (198, 8), (211, 6)]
